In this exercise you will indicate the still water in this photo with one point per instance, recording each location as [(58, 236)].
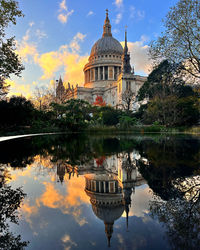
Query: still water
[(94, 192)]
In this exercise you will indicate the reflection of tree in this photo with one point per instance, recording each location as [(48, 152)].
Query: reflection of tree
[(170, 170), (169, 158), (10, 200), (181, 214)]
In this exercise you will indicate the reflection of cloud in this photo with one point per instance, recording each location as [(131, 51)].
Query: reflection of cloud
[(66, 239), (68, 203), (51, 197), (141, 207), (120, 238), (139, 55)]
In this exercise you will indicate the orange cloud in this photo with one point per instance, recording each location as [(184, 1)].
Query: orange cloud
[(72, 62), (51, 197)]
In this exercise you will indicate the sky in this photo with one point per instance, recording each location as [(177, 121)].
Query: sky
[(55, 37)]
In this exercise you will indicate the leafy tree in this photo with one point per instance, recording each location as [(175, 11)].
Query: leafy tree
[(160, 81), (99, 101), (9, 61), (74, 114), (172, 111), (171, 102), (180, 42), (18, 111), (110, 116)]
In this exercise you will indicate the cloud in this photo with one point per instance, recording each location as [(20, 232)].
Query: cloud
[(118, 18), (115, 31), (65, 14), (74, 45), (40, 34), (136, 14), (139, 55), (50, 63), (63, 5), (118, 3), (17, 89), (31, 24), (90, 13), (67, 59)]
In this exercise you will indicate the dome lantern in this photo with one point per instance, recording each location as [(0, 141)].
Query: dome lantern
[(107, 26)]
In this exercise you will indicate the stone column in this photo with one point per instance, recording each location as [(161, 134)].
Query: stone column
[(113, 69), (103, 73), (104, 186), (89, 75), (99, 76)]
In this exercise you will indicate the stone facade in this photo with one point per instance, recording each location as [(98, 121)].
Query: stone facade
[(108, 72)]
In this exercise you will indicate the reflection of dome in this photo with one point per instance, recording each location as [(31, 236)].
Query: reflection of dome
[(108, 213), (106, 199), (106, 45)]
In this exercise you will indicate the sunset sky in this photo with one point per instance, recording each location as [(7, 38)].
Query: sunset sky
[(55, 37)]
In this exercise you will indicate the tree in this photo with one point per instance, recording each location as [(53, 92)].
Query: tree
[(180, 42), (9, 61), (171, 102), (74, 114), (99, 101), (160, 81), (128, 97), (16, 112)]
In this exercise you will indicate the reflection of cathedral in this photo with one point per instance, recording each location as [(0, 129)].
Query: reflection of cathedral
[(107, 74), (108, 185)]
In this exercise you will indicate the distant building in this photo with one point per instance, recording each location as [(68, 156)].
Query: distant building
[(108, 73)]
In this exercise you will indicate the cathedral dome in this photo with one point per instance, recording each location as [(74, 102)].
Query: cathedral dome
[(106, 45)]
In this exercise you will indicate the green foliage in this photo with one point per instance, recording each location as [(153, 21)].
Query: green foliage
[(160, 81), (9, 61), (16, 112), (171, 102), (74, 114), (173, 111), (110, 116), (127, 121)]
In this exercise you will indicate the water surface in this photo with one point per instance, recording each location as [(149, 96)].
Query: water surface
[(94, 192)]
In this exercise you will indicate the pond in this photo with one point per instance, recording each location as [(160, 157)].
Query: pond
[(84, 191)]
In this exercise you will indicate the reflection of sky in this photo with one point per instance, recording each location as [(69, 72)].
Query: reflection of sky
[(59, 216)]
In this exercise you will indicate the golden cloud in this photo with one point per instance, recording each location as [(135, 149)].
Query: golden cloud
[(67, 57)]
